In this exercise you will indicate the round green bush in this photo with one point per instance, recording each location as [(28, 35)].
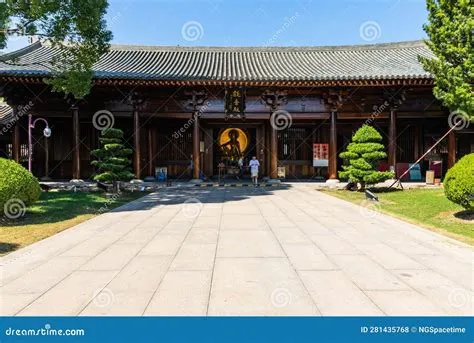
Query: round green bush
[(17, 183), (459, 182)]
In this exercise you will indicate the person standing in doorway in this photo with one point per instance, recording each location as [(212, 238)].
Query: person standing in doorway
[(240, 163), (254, 164)]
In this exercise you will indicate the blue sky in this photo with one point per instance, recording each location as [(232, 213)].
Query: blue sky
[(263, 22)]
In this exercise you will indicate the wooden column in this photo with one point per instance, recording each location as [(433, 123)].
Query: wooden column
[(392, 139), (46, 158), (16, 141), (196, 153), (208, 164), (416, 145), (274, 153), (332, 164), (268, 151), (136, 143), (151, 154), (451, 149), (76, 144)]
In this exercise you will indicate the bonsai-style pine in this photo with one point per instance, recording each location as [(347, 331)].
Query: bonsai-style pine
[(112, 159), (363, 155)]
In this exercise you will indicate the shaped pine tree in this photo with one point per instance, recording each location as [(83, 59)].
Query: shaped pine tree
[(112, 159), (363, 155)]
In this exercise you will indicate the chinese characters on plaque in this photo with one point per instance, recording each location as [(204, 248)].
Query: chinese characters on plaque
[(320, 155), (235, 103)]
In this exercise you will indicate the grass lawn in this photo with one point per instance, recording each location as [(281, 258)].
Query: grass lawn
[(425, 207), (53, 213)]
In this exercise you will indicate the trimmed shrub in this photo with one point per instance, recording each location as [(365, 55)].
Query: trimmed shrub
[(363, 155), (459, 182), (112, 159), (17, 183)]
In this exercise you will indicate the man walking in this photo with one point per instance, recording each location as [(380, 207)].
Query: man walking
[(254, 164)]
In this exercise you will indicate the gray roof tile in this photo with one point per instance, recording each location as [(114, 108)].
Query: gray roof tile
[(358, 62)]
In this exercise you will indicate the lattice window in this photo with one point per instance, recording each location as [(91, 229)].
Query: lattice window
[(293, 144)]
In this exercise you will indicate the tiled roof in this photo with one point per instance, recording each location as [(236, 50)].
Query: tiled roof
[(359, 62)]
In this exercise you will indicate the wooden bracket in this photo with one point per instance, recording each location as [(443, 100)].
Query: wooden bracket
[(274, 99)]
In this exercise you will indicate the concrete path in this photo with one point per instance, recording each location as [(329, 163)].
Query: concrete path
[(200, 251)]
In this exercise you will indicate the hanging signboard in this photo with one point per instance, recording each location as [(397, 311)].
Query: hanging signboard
[(235, 103), (320, 155)]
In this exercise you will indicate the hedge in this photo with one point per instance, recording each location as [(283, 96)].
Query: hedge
[(17, 183), (459, 182)]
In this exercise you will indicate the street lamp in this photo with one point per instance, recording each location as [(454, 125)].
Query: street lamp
[(46, 133)]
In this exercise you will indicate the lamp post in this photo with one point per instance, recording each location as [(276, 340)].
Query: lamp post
[(31, 125)]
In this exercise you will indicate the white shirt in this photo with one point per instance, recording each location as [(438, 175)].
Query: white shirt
[(254, 164)]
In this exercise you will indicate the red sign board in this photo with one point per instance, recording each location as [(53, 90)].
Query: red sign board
[(320, 155)]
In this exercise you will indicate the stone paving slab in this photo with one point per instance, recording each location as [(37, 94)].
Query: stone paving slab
[(240, 251)]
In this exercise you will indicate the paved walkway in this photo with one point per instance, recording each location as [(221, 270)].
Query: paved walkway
[(199, 251)]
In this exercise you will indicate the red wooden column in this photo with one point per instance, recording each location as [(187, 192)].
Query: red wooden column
[(196, 150), (273, 153), (76, 144), (392, 139), (151, 153), (16, 140), (451, 149), (136, 143), (332, 164)]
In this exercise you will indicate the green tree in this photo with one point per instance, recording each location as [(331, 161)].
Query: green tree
[(450, 28), (113, 159), (363, 155), (76, 29)]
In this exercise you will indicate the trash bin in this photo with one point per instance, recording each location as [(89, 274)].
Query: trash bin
[(430, 175), (161, 174)]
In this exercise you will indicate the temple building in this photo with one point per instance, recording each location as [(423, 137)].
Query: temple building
[(197, 112)]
